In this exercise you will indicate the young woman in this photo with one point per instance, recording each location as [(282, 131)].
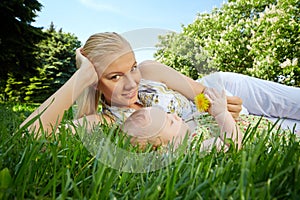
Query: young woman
[(109, 74)]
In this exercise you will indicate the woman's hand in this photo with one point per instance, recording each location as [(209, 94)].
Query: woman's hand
[(52, 110), (234, 106), (86, 68)]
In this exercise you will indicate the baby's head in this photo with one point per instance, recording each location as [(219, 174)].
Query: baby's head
[(154, 126)]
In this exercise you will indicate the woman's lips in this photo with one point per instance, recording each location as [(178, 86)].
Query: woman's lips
[(130, 95)]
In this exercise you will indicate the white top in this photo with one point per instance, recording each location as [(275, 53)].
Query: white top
[(156, 94)]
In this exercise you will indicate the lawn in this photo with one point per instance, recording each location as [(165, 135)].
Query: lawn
[(61, 166)]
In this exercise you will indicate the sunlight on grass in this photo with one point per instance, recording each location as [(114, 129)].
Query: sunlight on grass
[(60, 166)]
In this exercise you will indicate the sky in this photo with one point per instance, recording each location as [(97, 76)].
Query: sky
[(86, 17)]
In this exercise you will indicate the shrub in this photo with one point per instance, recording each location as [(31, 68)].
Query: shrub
[(259, 38)]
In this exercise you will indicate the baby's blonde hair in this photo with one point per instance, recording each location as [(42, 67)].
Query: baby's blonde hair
[(135, 126), (100, 49)]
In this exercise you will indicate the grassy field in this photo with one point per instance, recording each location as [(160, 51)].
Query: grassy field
[(61, 167)]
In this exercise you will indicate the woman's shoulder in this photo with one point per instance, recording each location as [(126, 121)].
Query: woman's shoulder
[(146, 67), (146, 63), (145, 82), (153, 70)]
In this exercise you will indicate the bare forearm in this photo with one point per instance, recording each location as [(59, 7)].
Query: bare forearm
[(55, 106), (208, 144), (156, 71)]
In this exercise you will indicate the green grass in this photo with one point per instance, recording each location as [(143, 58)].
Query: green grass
[(61, 167)]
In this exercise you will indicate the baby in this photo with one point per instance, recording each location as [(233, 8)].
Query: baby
[(155, 126)]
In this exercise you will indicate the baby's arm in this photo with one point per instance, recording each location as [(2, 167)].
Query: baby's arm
[(208, 144), (218, 109)]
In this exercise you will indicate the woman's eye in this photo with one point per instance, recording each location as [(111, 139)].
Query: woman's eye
[(134, 68), (115, 77)]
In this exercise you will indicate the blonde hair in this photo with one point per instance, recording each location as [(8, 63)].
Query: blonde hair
[(100, 49), (136, 127)]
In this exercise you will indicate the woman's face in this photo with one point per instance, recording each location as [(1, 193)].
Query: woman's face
[(119, 81)]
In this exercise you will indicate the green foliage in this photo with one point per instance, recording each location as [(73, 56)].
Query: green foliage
[(33, 63), (183, 53), (15, 88), (258, 38), (18, 38), (61, 167), (56, 56)]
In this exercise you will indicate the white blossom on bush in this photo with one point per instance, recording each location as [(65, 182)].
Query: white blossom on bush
[(258, 37)]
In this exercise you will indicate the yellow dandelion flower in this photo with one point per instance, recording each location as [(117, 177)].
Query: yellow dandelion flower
[(202, 103)]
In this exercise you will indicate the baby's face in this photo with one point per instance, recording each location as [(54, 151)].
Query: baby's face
[(172, 127)]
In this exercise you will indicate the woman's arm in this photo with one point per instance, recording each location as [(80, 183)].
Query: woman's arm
[(52, 110), (90, 121), (159, 72)]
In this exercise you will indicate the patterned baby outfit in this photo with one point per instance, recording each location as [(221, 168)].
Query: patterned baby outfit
[(156, 94), (207, 127)]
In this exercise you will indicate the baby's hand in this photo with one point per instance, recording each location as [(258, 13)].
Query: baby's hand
[(218, 110), (218, 102)]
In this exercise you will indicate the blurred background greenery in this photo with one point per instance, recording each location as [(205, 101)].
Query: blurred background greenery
[(259, 38)]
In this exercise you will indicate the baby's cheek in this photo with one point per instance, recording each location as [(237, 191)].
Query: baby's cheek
[(184, 130)]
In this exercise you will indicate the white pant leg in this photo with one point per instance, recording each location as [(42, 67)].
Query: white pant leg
[(215, 80), (261, 97), (287, 123)]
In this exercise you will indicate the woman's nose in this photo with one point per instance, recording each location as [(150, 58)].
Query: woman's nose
[(130, 82)]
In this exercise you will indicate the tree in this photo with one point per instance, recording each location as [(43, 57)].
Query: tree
[(18, 38), (33, 63), (183, 53), (56, 56), (258, 37)]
